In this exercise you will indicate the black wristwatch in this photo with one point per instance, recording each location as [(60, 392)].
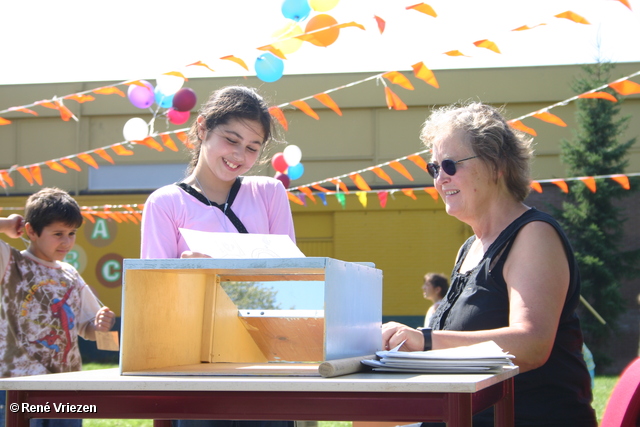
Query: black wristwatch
[(426, 333)]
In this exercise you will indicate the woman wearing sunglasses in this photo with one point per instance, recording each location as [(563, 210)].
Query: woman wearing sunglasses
[(515, 281)]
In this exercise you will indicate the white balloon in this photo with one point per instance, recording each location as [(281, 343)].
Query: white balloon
[(168, 84), (292, 155), (135, 129)]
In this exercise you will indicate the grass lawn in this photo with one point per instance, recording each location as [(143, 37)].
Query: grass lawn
[(601, 392)]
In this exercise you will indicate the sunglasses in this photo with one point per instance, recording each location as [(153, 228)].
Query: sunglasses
[(449, 166)]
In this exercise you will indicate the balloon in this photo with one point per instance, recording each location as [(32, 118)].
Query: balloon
[(184, 99), (279, 163), (164, 101), (296, 171), (290, 44), (297, 10), (269, 67), (283, 178), (169, 84), (177, 117), (292, 155), (141, 96), (323, 5), (326, 37), (135, 129)]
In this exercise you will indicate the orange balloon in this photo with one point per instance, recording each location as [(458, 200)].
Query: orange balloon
[(326, 37)]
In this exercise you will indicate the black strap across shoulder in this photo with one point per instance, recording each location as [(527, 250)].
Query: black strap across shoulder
[(226, 208)]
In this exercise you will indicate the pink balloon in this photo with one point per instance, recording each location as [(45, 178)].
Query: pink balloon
[(284, 178), (279, 163), (177, 117), (184, 99)]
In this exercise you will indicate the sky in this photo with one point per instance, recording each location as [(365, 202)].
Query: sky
[(79, 40)]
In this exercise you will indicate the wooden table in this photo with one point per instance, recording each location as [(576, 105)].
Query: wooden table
[(358, 397)]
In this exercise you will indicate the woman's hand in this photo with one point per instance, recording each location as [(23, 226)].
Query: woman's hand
[(394, 333)]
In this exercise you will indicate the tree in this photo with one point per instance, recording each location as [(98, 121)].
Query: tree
[(251, 295), (593, 220)]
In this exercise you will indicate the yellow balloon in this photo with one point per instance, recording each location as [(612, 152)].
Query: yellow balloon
[(323, 5), (286, 34)]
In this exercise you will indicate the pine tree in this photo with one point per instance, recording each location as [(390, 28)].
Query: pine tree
[(593, 220)]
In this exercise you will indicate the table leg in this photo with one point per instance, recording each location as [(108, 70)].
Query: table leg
[(459, 412), (503, 409), (15, 418)]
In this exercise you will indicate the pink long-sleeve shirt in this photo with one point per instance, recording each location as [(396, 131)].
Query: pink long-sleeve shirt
[(261, 204)]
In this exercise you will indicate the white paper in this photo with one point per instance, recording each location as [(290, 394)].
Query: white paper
[(241, 245)]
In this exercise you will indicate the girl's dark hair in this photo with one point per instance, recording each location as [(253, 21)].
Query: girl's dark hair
[(225, 104), (438, 281), (51, 205)]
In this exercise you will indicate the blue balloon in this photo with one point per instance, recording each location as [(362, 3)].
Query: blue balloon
[(164, 101), (296, 171), (269, 67), (298, 10)]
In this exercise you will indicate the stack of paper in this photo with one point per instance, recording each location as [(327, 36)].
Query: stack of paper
[(486, 357)]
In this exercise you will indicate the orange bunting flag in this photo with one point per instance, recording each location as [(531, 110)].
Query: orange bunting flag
[(432, 192), (623, 180), (536, 186), (23, 110), (419, 161), (326, 100), (398, 78), (382, 197), (131, 218), (397, 166), (626, 3), (320, 188), (70, 164), (176, 74), (26, 174), (381, 23), (168, 142), (115, 217), (109, 90), (393, 100), (151, 143), (359, 182), (3, 185), (590, 182), (65, 113), (526, 27), (424, 8), (340, 184), (382, 174), (236, 60), (89, 217), (295, 199), (36, 173), (6, 177), (278, 114), (409, 193), (184, 138), (271, 48), (201, 64), (304, 107), (423, 73), (599, 95), (487, 44), (47, 104), (518, 125), (571, 16), (307, 191), (362, 198), (625, 87), (102, 153), (455, 53), (561, 184), (4, 122), (545, 116), (85, 157), (121, 150), (53, 165), (81, 99)]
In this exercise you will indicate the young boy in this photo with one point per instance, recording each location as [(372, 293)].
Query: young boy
[(45, 303)]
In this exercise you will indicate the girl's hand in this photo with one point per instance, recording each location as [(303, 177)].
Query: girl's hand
[(189, 254)]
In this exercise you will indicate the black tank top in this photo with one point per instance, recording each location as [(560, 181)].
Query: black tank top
[(555, 394)]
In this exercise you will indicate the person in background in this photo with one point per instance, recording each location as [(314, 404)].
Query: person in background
[(231, 134), (516, 280), (45, 302), (434, 288)]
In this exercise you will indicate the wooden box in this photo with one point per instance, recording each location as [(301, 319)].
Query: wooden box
[(178, 319)]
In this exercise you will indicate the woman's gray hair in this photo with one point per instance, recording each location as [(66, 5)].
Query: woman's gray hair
[(490, 137)]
